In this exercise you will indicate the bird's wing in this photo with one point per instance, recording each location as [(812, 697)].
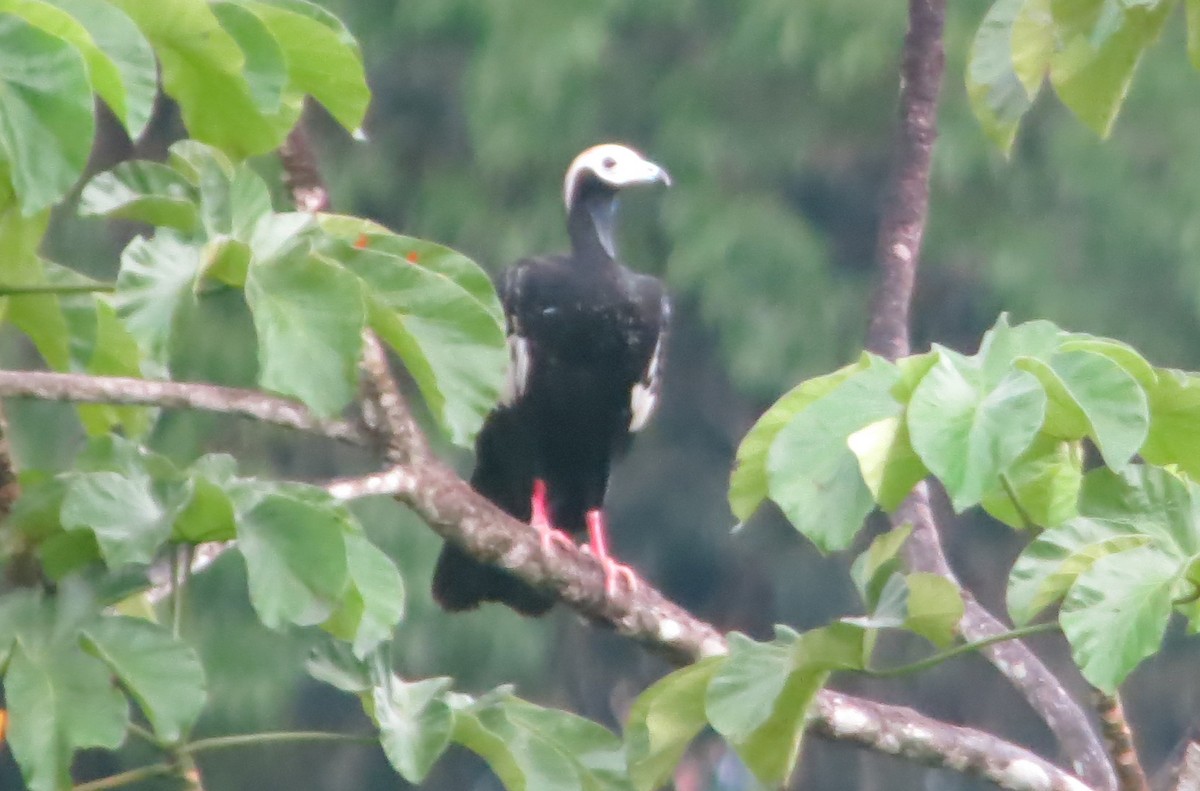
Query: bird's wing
[(513, 293), (643, 398)]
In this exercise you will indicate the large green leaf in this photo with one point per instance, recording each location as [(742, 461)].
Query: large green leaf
[(266, 70), (162, 674), (1174, 437), (309, 316), (414, 723), (143, 191), (889, 465), (748, 484), (968, 435), (1101, 44), (1153, 501), (46, 122), (375, 602), (124, 46), (531, 748), (202, 70), (812, 473), (129, 521), (1048, 567), (155, 282), (663, 721), (59, 699), (1193, 31), (1116, 613), (1008, 61), (1041, 487), (323, 59), (450, 341), (1089, 390), (295, 559), (935, 606)]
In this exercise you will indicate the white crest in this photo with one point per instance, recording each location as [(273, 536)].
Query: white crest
[(616, 165)]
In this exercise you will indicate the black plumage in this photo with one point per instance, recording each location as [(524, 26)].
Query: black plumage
[(585, 339)]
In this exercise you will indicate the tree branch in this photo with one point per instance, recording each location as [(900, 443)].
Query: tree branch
[(254, 404), (1189, 770), (902, 228), (1118, 737)]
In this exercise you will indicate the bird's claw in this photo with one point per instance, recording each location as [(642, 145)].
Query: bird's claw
[(613, 571), (549, 536)]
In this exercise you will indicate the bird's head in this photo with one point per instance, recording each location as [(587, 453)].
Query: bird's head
[(610, 167)]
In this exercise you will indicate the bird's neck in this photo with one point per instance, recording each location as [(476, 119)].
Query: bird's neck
[(591, 224)]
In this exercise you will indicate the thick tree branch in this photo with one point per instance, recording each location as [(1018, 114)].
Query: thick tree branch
[(902, 228), (1118, 737), (82, 388)]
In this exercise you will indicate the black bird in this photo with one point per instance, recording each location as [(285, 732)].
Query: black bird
[(585, 339)]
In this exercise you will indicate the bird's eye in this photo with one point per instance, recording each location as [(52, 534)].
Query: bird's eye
[(609, 163)]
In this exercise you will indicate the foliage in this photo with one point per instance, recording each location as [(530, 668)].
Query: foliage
[(1005, 429)]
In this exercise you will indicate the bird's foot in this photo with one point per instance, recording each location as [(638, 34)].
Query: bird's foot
[(598, 547), (539, 520), (614, 572)]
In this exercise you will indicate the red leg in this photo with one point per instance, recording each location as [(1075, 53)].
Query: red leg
[(598, 544), (539, 519)]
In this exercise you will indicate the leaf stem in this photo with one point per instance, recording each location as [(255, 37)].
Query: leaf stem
[(1026, 521), (125, 778), (248, 739), (77, 288), (965, 648)]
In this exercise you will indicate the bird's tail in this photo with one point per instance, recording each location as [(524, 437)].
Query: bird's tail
[(462, 583)]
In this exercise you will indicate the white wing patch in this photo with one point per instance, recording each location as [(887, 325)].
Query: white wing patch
[(518, 370), (644, 397)]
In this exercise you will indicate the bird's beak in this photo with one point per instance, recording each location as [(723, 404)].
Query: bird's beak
[(660, 174)]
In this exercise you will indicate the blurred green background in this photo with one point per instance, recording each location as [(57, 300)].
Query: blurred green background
[(775, 118)]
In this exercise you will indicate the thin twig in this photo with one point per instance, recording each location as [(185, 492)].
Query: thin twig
[(958, 650), (127, 778), (1118, 737), (82, 388)]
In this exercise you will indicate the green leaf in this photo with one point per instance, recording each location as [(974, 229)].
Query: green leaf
[(1008, 61), (309, 316), (39, 316), (663, 721), (102, 346), (323, 59), (1122, 354), (1090, 389), (812, 473), (120, 41), (202, 70), (295, 559), (1045, 481), (889, 465), (129, 522), (451, 343), (145, 192), (46, 104), (207, 513), (266, 71), (375, 602), (59, 699), (1174, 436), (969, 436), (935, 607), (1153, 501), (162, 674), (1100, 46), (1049, 566), (414, 723), (1116, 613), (155, 282), (748, 484), (530, 748), (873, 568)]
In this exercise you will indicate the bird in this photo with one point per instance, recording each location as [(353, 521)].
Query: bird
[(586, 341)]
